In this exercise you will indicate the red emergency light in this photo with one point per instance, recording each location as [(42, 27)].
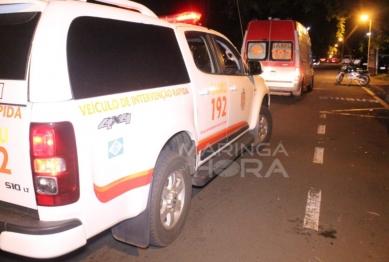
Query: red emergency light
[(186, 17)]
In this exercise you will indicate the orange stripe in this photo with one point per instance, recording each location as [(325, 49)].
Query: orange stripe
[(208, 141), (121, 186)]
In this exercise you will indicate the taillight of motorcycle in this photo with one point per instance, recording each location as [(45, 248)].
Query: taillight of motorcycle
[(54, 163)]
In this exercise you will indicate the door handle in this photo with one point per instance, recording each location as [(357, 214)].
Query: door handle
[(204, 92), (233, 88)]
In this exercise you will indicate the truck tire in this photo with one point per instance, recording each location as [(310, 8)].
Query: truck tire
[(265, 128), (171, 192), (310, 87)]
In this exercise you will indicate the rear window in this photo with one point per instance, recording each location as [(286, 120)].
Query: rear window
[(278, 50), (16, 33), (281, 51), (257, 50), (108, 56)]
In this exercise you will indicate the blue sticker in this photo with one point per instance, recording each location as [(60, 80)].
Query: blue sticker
[(115, 148)]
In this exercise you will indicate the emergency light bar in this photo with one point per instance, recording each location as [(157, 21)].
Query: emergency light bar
[(186, 17)]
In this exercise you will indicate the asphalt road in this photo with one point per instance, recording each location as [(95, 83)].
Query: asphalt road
[(318, 192)]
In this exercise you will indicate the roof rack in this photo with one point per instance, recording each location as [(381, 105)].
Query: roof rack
[(130, 5)]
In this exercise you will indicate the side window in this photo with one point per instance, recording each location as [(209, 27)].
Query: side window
[(230, 58), (304, 52), (107, 56), (257, 50), (200, 51), (281, 51)]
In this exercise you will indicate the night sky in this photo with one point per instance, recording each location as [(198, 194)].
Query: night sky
[(322, 31), (212, 15), (166, 7)]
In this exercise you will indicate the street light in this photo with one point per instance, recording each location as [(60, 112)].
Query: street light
[(364, 18), (341, 52)]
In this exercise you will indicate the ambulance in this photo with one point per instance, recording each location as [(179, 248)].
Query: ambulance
[(108, 116), (284, 49)]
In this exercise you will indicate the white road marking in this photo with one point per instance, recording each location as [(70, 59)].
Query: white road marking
[(350, 99), (312, 210), (354, 112), (318, 155), (324, 116), (321, 129), (371, 109)]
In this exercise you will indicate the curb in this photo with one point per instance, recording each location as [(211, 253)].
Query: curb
[(380, 88), (375, 96)]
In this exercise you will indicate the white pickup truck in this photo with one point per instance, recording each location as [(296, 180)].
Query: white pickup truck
[(107, 113)]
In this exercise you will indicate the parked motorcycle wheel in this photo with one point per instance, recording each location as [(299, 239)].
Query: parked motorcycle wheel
[(364, 80), (339, 78)]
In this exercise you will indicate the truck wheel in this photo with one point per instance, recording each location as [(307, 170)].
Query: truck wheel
[(171, 192), (265, 127)]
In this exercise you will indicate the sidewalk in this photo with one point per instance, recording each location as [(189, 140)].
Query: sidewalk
[(380, 86)]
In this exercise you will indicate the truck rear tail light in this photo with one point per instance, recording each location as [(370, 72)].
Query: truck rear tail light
[(43, 141), (54, 163), (50, 165), (46, 185)]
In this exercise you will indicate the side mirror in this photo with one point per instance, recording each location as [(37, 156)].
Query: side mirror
[(255, 67)]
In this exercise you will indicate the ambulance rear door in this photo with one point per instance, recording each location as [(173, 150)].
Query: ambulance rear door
[(281, 65), (273, 42)]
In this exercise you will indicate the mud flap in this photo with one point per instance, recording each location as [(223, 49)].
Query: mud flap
[(134, 231)]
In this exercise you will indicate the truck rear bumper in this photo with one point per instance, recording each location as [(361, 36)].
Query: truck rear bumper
[(22, 233), (43, 246), (286, 86)]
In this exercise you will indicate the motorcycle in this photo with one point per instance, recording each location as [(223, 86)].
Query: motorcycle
[(352, 73)]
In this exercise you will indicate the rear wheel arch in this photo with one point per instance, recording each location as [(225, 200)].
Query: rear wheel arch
[(183, 144), (299, 93)]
